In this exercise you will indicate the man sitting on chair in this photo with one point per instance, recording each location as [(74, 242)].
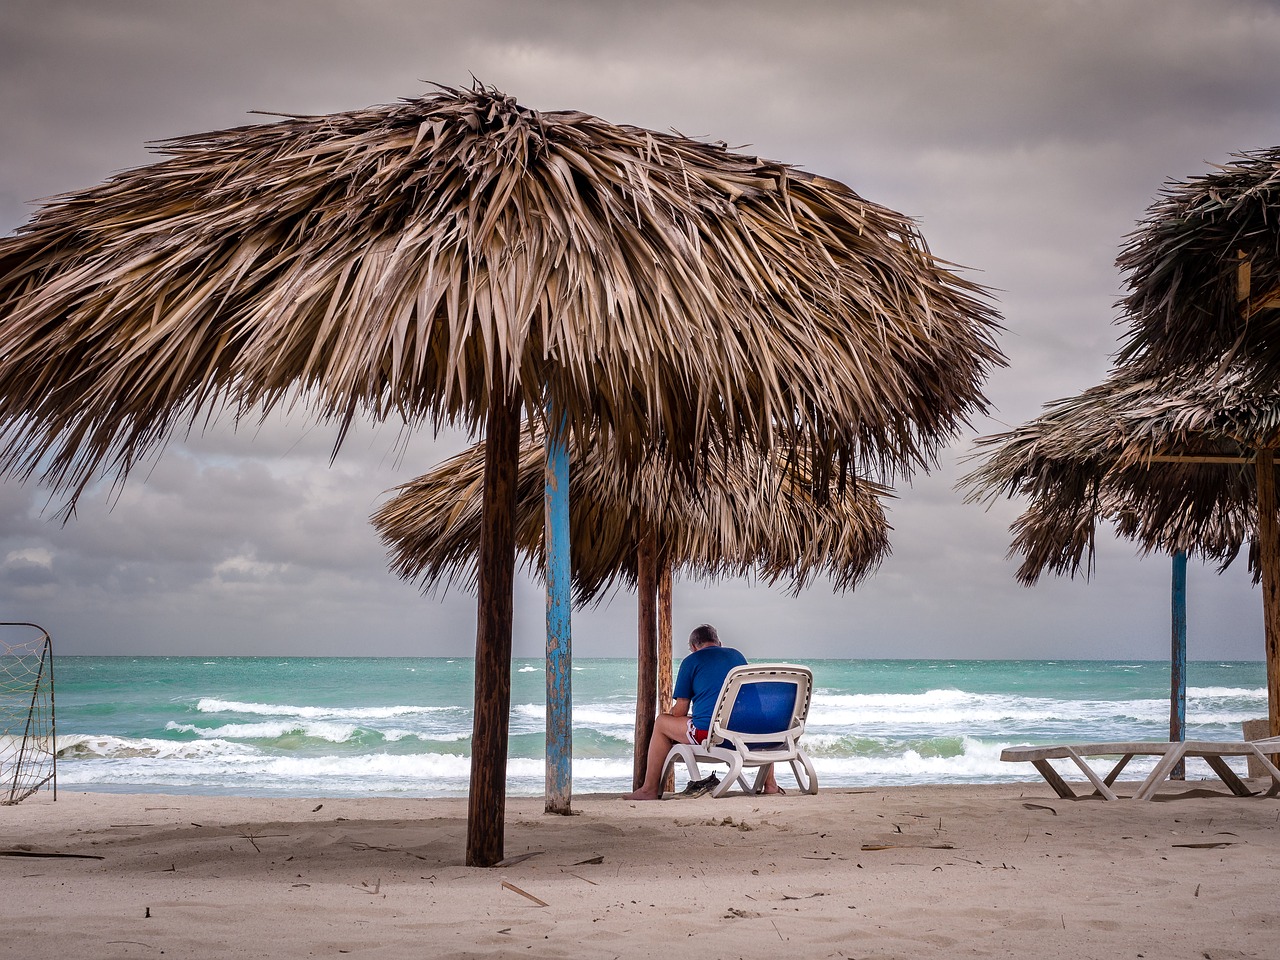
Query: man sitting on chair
[(696, 691)]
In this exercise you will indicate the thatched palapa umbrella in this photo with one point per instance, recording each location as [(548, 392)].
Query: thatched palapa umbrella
[(753, 513), (758, 514), (1166, 458), (460, 258), (1178, 462)]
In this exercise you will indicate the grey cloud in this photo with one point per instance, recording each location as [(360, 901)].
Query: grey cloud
[(21, 572), (1027, 138)]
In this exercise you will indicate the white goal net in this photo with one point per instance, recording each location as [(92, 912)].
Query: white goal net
[(28, 753)]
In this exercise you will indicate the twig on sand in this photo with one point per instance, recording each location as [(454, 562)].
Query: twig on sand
[(514, 889), (1206, 845), (50, 853), (254, 837), (909, 846)]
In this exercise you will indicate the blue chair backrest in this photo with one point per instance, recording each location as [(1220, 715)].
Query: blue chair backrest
[(764, 706)]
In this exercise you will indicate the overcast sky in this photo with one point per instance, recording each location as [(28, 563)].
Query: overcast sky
[(1026, 138)]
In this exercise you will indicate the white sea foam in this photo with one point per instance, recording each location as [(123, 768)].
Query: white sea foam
[(1215, 693), (214, 705), (318, 730), (241, 769), (955, 707), (81, 747), (393, 734), (249, 772)]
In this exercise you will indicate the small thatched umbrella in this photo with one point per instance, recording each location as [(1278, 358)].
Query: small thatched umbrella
[(460, 258), (755, 515), (751, 514), (1180, 462)]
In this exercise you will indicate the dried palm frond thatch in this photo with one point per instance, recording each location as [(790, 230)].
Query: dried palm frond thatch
[(755, 515), (1168, 459), (414, 259), (1204, 269)]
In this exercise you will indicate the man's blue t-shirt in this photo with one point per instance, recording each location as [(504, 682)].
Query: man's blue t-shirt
[(700, 678)]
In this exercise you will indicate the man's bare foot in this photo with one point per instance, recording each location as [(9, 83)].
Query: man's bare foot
[(642, 795)]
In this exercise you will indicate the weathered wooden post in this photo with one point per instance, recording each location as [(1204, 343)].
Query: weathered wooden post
[(1178, 660), (496, 567), (1269, 557), (665, 678), (559, 786), (1268, 530), (647, 652)]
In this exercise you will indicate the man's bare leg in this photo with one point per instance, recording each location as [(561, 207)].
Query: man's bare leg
[(667, 731), (770, 784)]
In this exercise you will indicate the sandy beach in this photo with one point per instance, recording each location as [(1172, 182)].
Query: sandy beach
[(937, 871)]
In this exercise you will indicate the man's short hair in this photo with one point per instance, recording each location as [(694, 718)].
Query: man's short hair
[(704, 633)]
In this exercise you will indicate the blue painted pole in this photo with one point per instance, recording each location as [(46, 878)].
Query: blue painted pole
[(1178, 678), (559, 788)]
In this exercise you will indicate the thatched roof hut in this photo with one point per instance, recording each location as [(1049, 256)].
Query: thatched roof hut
[(460, 258)]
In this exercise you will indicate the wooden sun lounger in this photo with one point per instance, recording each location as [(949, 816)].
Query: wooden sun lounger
[(1212, 751)]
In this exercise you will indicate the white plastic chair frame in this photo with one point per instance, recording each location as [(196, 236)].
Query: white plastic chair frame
[(725, 745)]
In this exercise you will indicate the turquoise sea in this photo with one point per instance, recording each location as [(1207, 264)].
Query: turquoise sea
[(330, 727)]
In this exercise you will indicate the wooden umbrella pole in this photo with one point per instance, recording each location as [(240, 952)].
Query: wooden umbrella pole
[(559, 767), (647, 659), (486, 806), (1178, 659), (664, 650), (1269, 555)]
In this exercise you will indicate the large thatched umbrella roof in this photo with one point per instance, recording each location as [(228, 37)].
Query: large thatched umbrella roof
[(462, 258), (1204, 269), (413, 259), (1167, 459), (757, 514)]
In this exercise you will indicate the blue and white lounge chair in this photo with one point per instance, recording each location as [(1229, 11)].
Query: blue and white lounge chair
[(758, 720)]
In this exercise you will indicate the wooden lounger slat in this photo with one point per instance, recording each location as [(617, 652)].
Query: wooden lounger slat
[(1170, 753)]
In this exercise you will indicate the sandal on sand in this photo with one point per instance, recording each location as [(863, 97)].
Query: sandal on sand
[(698, 788), (780, 793)]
